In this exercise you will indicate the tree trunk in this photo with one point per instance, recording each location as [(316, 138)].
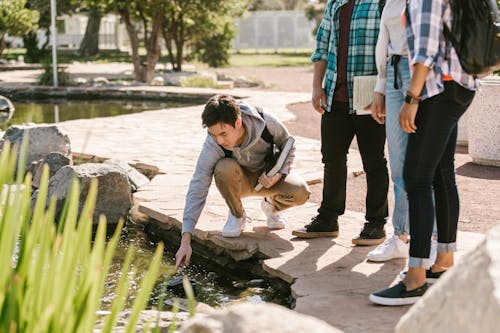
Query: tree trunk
[(168, 44), (2, 43), (90, 43), (153, 47), (144, 72), (179, 42), (134, 44)]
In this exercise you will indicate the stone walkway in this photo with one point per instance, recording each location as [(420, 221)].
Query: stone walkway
[(329, 278)]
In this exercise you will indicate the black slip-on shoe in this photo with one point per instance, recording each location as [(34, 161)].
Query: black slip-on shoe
[(370, 235), (398, 295), (318, 227), (430, 276)]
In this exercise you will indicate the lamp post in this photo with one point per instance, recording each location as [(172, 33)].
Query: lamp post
[(54, 42)]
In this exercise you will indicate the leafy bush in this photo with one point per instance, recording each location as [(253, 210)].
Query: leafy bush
[(52, 277), (47, 77), (34, 54), (214, 48), (198, 81)]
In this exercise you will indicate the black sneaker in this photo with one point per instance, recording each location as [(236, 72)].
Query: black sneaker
[(430, 276), (398, 295), (370, 235), (318, 227)]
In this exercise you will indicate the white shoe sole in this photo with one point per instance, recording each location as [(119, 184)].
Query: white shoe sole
[(231, 234), (393, 301), (382, 259), (276, 226)]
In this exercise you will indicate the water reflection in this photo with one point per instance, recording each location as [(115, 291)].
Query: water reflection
[(213, 288), (50, 111)]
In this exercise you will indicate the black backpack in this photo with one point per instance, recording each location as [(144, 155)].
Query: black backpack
[(475, 35)]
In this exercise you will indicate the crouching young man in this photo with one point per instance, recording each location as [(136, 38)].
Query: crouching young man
[(235, 153)]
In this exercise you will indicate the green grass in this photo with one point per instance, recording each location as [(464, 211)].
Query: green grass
[(269, 59), (247, 58)]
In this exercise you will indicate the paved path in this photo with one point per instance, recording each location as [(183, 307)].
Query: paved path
[(330, 278)]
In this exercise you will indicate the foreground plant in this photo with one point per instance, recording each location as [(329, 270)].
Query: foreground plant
[(52, 277)]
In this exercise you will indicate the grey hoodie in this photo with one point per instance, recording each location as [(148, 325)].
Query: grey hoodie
[(250, 155)]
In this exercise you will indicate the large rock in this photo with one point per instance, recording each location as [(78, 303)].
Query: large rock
[(114, 196), (465, 299), (43, 139), (255, 318), (135, 178), (6, 109), (55, 161)]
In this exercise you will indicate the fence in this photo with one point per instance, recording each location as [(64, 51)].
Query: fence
[(274, 30)]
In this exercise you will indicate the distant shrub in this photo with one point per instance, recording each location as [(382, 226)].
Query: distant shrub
[(198, 81), (47, 77)]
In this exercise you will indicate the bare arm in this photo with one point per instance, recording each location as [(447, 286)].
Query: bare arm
[(318, 93), (409, 111)]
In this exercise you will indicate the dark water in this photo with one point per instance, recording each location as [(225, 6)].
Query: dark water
[(52, 111), (213, 288)]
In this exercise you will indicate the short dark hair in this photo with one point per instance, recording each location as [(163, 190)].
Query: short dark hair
[(220, 109)]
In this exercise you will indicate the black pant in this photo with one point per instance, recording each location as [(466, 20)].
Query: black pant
[(429, 166), (338, 128)]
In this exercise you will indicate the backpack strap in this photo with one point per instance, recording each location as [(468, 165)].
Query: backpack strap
[(227, 153), (266, 135), (381, 5)]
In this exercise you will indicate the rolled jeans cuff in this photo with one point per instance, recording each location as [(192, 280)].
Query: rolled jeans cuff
[(447, 247), (419, 262)]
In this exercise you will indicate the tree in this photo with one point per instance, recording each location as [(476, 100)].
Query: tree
[(16, 20), (151, 14), (96, 10), (205, 25), (33, 52), (315, 11)]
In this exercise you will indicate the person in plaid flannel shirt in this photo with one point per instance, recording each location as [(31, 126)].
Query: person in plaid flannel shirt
[(345, 47)]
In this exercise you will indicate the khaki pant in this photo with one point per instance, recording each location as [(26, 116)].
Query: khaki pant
[(235, 183)]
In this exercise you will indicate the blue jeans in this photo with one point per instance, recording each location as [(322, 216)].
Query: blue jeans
[(429, 167), (397, 140)]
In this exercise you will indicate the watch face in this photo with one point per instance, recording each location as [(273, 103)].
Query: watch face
[(411, 100)]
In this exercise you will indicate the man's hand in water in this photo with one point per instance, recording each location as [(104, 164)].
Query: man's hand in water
[(183, 255)]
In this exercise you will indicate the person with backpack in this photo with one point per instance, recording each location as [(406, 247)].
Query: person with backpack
[(439, 93), (393, 79), (240, 139), (345, 47)]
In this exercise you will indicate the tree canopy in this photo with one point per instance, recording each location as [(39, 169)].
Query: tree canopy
[(16, 20)]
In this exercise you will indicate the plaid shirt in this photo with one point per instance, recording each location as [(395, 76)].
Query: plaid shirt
[(363, 35), (427, 45)]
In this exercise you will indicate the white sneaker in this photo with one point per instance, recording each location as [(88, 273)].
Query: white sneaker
[(234, 225), (274, 220), (392, 248)]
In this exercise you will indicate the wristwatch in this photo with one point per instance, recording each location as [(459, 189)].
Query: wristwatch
[(411, 100)]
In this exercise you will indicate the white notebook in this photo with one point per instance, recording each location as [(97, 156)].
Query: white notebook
[(363, 93), (281, 160)]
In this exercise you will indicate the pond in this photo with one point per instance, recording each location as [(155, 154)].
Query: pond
[(53, 111), (213, 288)]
